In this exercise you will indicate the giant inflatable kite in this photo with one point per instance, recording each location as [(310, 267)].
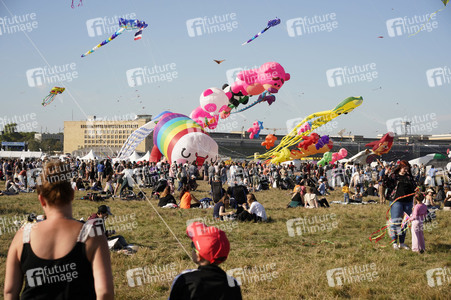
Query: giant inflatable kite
[(181, 139), (313, 121), (383, 145)]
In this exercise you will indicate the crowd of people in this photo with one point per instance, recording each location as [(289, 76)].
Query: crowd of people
[(409, 190)]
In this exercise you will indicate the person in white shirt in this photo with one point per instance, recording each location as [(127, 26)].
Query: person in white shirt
[(127, 179), (256, 210)]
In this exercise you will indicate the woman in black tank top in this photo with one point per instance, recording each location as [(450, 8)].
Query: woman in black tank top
[(56, 258)]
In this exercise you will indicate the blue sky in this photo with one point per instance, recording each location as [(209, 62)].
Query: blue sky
[(396, 88)]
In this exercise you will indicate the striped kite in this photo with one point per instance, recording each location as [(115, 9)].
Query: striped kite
[(124, 25)]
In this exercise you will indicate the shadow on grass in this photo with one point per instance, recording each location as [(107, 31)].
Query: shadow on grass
[(438, 248)]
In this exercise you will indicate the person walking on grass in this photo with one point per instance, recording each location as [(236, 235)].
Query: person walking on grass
[(400, 183)]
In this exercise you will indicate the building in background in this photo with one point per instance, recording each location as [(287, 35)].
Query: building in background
[(49, 136), (105, 137)]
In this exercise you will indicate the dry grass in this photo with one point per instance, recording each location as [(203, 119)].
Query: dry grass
[(298, 264)]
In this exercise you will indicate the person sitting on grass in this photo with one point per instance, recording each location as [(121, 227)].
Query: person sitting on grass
[(116, 242), (310, 198), (297, 196), (109, 184), (357, 197), (253, 210), (210, 247), (219, 210), (166, 197), (186, 198)]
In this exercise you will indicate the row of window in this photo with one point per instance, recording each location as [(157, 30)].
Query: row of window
[(100, 132), (109, 126)]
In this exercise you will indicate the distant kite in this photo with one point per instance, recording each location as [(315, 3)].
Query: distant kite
[(271, 23), (80, 3), (218, 61), (53, 92), (445, 2), (380, 37), (124, 25)]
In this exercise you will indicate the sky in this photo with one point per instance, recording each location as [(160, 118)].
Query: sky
[(319, 43)]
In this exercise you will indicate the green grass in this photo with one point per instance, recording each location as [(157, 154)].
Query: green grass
[(290, 267)]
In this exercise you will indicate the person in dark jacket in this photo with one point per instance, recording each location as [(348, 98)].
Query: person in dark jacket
[(400, 187)]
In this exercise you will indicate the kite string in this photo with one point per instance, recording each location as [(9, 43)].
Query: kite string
[(376, 239), (430, 17)]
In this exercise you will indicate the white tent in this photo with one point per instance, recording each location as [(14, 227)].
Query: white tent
[(427, 158), (145, 157), (89, 156), (21, 154), (296, 163), (134, 157)]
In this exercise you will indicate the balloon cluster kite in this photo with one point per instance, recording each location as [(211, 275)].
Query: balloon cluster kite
[(310, 123), (53, 92), (124, 24)]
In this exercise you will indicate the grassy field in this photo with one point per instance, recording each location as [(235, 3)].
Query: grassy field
[(275, 260)]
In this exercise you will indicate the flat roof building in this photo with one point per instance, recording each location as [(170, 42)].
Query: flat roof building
[(103, 135)]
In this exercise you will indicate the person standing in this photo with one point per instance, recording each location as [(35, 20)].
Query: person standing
[(418, 215), (59, 257), (400, 186)]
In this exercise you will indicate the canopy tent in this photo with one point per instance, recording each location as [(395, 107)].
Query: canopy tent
[(21, 154), (145, 157), (427, 159), (89, 156), (134, 157)]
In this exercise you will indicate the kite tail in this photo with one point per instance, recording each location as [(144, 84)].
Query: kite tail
[(115, 35), (379, 234), (256, 36), (259, 100), (47, 100)]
